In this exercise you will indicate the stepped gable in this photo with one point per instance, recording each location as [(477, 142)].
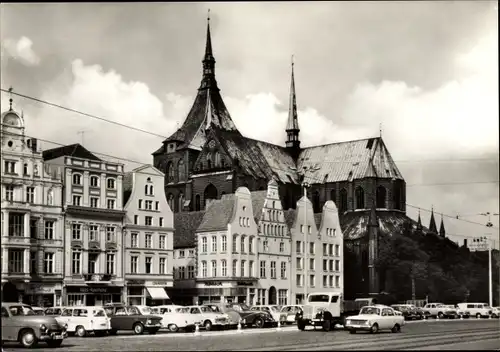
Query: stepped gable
[(185, 226)]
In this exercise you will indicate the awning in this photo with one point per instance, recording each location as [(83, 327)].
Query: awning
[(157, 293)]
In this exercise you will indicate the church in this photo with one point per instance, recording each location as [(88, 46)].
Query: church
[(208, 157)]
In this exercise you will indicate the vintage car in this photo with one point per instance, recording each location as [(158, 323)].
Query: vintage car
[(375, 318), (209, 318), (408, 312), (435, 310), (21, 324), (450, 311), (53, 311), (495, 312), (288, 314), (130, 318), (38, 310), (82, 321), (271, 309), (179, 318), (241, 313), (478, 310)]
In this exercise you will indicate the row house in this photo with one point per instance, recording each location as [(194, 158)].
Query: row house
[(148, 238), (31, 219), (93, 207)]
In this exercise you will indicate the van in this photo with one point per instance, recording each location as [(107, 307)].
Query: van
[(84, 320), (477, 310)]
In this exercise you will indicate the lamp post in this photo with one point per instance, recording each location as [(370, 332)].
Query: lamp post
[(490, 273)]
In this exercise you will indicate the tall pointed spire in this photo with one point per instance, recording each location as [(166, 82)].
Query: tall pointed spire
[(419, 221), (442, 231), (292, 126), (432, 224), (208, 80)]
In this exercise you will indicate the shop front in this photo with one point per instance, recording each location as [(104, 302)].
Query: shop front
[(242, 291), (13, 291), (92, 295), (43, 295), (149, 293)]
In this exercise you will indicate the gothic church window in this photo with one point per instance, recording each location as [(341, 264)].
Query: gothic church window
[(170, 172), (360, 198), (333, 196), (217, 159), (181, 201), (181, 170), (316, 202), (381, 194), (170, 200), (210, 193), (397, 196), (343, 200), (197, 203)]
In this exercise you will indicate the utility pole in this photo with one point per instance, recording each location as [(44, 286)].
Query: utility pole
[(490, 273)]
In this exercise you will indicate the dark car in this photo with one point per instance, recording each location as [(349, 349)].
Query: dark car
[(130, 318), (241, 313), (409, 312)]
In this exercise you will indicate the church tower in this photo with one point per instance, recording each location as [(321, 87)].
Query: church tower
[(292, 126)]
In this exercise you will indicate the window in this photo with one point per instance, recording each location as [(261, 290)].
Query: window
[(224, 243), (301, 228), (181, 171), (136, 219), (182, 272), (111, 183), (298, 279), (282, 247), (325, 264), (163, 242), (283, 270), (110, 234), (330, 280), (360, 198), (111, 204), (110, 263), (250, 244), (312, 264), (76, 230), (266, 246), (337, 265), (33, 262), (30, 195), (94, 202), (203, 269), (235, 240), (16, 261), (163, 265), (9, 193), (250, 269), (197, 202), (337, 250), (148, 220), (76, 262), (49, 229), (235, 264), (343, 200), (381, 195), (94, 181), (214, 244), (282, 297), (139, 203), (242, 244), (134, 240), (77, 201), (157, 205), (149, 241), (224, 267), (331, 262), (299, 263), (325, 249), (298, 246), (92, 262), (262, 269), (77, 179), (48, 263), (182, 253), (214, 268), (160, 223), (9, 167), (170, 172), (337, 281), (190, 271), (273, 270), (312, 248), (242, 268), (148, 265), (33, 228), (149, 204), (204, 245), (133, 264), (330, 249)]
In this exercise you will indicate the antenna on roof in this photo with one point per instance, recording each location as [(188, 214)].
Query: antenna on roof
[(82, 132), (10, 99), (208, 15), (380, 129)]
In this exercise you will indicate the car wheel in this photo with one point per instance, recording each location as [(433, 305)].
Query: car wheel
[(54, 343), (440, 315), (80, 331), (374, 328), (478, 315), (28, 338), (259, 323), (138, 329), (396, 328), (208, 325), (327, 325), (173, 328), (352, 331), (300, 325)]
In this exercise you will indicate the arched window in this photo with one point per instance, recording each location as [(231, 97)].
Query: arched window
[(170, 200), (209, 194), (170, 172), (151, 191), (94, 181), (197, 203), (181, 201), (343, 200), (50, 197), (222, 161), (333, 196), (381, 193), (146, 189), (209, 160), (217, 159), (396, 196), (315, 201), (77, 179), (360, 198), (181, 171)]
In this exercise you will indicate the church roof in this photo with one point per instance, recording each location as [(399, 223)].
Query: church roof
[(217, 215), (258, 200), (74, 150), (185, 226), (348, 161)]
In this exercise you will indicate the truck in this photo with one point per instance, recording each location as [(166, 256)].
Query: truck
[(327, 309)]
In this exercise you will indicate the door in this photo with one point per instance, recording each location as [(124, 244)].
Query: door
[(100, 320), (66, 318), (6, 327), (81, 317), (385, 319)]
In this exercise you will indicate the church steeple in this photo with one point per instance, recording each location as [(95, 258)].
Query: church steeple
[(442, 231), (432, 224), (419, 222), (208, 80), (292, 126)]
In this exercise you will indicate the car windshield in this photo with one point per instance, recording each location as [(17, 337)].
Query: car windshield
[(21, 310), (319, 298), (369, 310), (244, 307), (275, 309), (182, 310), (154, 310), (206, 309)]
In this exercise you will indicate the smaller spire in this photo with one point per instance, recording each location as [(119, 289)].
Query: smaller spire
[(432, 223), (419, 221), (380, 129), (293, 123), (442, 231), (10, 99)]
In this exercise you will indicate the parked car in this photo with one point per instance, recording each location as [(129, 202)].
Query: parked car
[(495, 312), (21, 324), (38, 310), (477, 310), (210, 318), (53, 311), (375, 318), (408, 312), (434, 310), (83, 321), (451, 311), (179, 319), (271, 309), (130, 318), (172, 308), (288, 314), (241, 313)]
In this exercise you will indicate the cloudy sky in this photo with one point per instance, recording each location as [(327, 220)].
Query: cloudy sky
[(426, 71)]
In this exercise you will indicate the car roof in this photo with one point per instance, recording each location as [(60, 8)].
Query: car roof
[(14, 304)]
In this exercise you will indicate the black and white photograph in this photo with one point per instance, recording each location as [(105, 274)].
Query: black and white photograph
[(275, 176)]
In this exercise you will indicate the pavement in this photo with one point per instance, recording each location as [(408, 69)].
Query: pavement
[(482, 334)]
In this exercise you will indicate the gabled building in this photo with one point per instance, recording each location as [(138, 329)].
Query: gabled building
[(148, 236), (93, 207), (32, 219)]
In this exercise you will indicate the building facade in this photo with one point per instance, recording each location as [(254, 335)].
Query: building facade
[(93, 206), (148, 238), (32, 220)]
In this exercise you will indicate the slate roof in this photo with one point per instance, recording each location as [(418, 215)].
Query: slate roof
[(290, 217), (348, 161), (185, 226), (217, 215), (127, 186), (258, 199), (74, 150), (317, 219)]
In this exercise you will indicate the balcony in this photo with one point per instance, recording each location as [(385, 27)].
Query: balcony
[(98, 278)]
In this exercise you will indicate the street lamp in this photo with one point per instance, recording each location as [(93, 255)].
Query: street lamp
[(490, 274)]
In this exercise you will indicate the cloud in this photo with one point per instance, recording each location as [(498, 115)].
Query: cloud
[(22, 51)]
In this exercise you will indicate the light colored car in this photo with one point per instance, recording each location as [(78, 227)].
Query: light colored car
[(85, 320), (477, 310), (288, 314), (53, 311), (21, 324), (271, 309), (375, 318), (435, 310), (209, 318), (38, 310), (495, 312), (179, 318)]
